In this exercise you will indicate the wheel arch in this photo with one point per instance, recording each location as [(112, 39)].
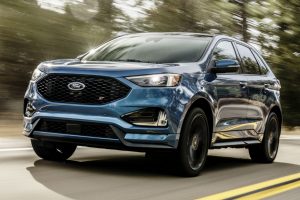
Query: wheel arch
[(277, 110), (207, 107)]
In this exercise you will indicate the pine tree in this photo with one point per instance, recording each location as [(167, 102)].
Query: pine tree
[(280, 41)]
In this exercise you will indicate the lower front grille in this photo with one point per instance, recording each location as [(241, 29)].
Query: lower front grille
[(76, 128)]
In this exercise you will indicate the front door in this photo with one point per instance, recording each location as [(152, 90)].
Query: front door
[(231, 93)]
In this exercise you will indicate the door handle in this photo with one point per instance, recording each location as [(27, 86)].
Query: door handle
[(243, 84)]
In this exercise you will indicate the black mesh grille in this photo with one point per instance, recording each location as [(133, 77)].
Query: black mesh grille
[(76, 128), (98, 90)]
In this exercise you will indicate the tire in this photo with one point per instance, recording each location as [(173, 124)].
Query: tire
[(266, 151), (194, 142), (53, 151)]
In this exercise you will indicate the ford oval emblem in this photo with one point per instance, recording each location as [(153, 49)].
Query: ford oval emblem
[(76, 86)]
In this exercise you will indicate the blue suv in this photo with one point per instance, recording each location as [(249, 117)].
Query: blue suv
[(170, 93)]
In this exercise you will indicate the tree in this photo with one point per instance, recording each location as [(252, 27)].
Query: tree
[(280, 42), (30, 35), (188, 15)]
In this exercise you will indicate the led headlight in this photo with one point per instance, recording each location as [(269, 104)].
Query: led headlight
[(37, 74), (156, 80)]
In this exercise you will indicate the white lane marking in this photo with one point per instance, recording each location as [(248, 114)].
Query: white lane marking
[(290, 137), (16, 149), (26, 149)]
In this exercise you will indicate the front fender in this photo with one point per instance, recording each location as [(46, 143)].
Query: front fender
[(200, 96)]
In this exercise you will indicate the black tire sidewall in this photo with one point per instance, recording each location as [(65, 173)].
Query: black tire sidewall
[(267, 135), (259, 153), (183, 143), (48, 150)]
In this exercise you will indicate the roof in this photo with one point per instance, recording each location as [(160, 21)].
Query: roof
[(172, 33)]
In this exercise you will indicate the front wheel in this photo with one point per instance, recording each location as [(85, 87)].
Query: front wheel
[(194, 143), (52, 150), (266, 151)]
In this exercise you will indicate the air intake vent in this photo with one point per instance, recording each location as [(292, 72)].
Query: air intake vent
[(76, 128)]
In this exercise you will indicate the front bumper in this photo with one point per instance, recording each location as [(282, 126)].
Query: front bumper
[(129, 136)]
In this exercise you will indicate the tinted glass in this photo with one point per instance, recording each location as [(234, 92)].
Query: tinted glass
[(263, 68), (224, 50), (248, 59), (151, 48)]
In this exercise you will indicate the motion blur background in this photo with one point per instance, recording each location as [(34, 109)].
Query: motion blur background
[(32, 31)]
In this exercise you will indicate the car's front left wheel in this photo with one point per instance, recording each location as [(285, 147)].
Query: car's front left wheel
[(53, 151), (194, 142)]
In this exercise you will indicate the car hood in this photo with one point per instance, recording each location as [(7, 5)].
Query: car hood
[(113, 69)]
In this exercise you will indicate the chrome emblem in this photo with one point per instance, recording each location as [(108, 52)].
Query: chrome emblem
[(76, 86)]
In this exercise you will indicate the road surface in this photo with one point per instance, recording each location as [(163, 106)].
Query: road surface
[(107, 174)]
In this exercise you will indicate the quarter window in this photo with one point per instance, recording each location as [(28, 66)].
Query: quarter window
[(248, 59), (263, 68)]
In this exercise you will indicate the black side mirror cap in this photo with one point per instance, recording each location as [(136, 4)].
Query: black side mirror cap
[(225, 66)]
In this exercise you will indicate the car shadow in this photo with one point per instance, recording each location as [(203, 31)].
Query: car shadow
[(115, 176), (138, 165)]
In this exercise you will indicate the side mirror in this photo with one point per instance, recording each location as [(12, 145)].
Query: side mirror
[(225, 66)]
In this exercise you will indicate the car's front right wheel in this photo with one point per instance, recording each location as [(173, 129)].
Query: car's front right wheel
[(194, 142), (53, 151)]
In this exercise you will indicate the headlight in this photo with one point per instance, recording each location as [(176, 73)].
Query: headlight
[(37, 74), (156, 80)]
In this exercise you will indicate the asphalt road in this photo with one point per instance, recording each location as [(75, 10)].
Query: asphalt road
[(107, 174)]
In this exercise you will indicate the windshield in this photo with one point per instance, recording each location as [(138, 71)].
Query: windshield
[(151, 49)]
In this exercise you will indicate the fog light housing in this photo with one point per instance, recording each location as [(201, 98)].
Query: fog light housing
[(27, 126), (29, 109), (147, 117)]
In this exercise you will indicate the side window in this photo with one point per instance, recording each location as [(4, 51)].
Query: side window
[(263, 68), (224, 50), (248, 59)]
